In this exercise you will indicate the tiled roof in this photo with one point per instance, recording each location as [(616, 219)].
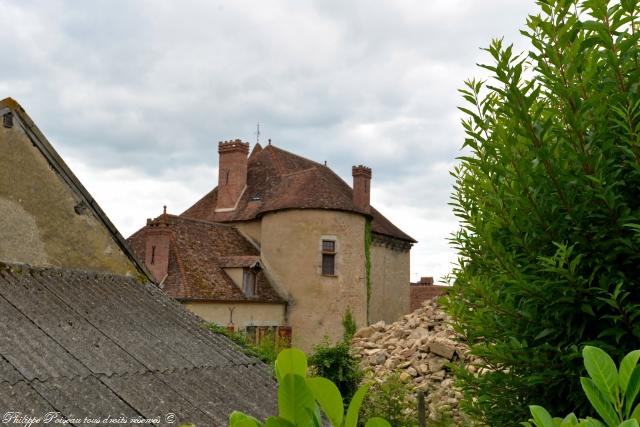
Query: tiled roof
[(90, 344), (278, 179), (199, 252)]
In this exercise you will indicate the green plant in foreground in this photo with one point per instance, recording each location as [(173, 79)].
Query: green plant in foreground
[(392, 400), (612, 393), (546, 193), (301, 399)]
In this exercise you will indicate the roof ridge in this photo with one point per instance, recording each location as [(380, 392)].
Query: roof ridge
[(19, 267)]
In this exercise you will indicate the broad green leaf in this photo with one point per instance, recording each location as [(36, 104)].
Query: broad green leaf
[(592, 422), (239, 419), (377, 422), (291, 361), (636, 413), (351, 419), (599, 402), (602, 370), (329, 398), (629, 423), (541, 417), (632, 389), (569, 420), (295, 400), (277, 422), (627, 366)]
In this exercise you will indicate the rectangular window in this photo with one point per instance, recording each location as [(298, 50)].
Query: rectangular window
[(329, 257), (249, 283)]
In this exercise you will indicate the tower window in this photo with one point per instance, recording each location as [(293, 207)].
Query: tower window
[(329, 257)]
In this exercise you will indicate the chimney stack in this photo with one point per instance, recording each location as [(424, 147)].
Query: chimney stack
[(362, 188), (158, 242), (232, 173)]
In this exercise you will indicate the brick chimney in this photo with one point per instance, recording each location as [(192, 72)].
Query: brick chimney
[(362, 187), (232, 173), (158, 242)]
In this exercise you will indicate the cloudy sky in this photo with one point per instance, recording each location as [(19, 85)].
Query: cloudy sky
[(136, 94)]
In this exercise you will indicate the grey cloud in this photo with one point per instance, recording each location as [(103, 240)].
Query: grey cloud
[(153, 85)]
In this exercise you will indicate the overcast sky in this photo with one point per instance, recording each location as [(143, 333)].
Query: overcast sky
[(136, 94)]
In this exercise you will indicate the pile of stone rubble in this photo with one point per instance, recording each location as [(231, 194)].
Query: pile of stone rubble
[(418, 347)]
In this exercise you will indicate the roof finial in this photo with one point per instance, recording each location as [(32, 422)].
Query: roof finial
[(269, 141), (164, 210), (258, 133)]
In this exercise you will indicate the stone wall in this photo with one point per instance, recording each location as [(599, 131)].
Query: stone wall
[(42, 221), (389, 281), (291, 253), (244, 313)]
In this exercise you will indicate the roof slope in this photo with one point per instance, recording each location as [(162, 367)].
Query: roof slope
[(94, 344), (199, 251), (278, 179)]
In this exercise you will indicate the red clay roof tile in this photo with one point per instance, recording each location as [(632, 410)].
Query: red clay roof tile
[(277, 180), (199, 251)]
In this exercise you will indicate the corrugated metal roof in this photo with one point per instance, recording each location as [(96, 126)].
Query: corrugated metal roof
[(87, 344)]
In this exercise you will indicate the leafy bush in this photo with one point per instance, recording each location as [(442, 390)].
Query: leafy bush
[(391, 400), (612, 393), (265, 350), (548, 199), (349, 326), (338, 365), (301, 399)]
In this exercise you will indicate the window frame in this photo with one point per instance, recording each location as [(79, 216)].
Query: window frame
[(328, 253)]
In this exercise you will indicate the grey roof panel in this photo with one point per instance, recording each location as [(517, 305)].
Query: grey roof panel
[(153, 398), (92, 343), (60, 321), (22, 398), (30, 351), (108, 311), (86, 397)]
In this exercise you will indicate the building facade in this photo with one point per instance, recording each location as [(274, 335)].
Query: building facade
[(319, 246)]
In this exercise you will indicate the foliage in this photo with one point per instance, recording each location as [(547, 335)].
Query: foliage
[(301, 399), (549, 206), (612, 392), (391, 400), (338, 365), (265, 350), (349, 326)]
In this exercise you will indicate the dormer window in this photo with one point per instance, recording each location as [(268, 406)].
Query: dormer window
[(249, 283)]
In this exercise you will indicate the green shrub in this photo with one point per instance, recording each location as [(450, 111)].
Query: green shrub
[(266, 350), (392, 400), (612, 393), (349, 326), (301, 399), (338, 365), (547, 195)]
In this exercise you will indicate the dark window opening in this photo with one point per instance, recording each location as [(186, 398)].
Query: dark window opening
[(153, 255), (329, 257), (227, 177)]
